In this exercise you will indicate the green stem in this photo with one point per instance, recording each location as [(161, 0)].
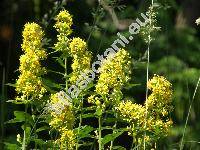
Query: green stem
[(147, 78), (190, 107), (114, 127), (34, 129), (100, 148), (24, 139), (80, 120), (66, 84)]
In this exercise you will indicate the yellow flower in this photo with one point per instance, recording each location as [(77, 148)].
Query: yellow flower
[(91, 99), (63, 22), (67, 139), (61, 112), (29, 84), (63, 26), (134, 113), (114, 73), (161, 97), (77, 46), (32, 36), (158, 108), (81, 63), (62, 119), (81, 58)]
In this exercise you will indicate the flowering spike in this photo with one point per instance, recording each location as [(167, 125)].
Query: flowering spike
[(29, 84), (114, 73)]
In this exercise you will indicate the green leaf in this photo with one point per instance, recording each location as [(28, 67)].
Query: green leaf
[(98, 112), (10, 146), (16, 101), (10, 84), (110, 120), (129, 85), (56, 72), (89, 108), (84, 131), (89, 86), (42, 128), (86, 144), (111, 137), (20, 117), (107, 128), (28, 131), (119, 147), (88, 116), (50, 83), (40, 142), (60, 62)]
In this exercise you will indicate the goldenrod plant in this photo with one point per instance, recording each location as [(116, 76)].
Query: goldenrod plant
[(30, 66), (62, 121), (30, 77), (159, 107), (86, 107), (81, 58)]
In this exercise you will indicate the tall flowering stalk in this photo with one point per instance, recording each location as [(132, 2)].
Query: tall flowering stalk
[(29, 84), (77, 49), (30, 66), (63, 26), (114, 74), (81, 63), (62, 116), (81, 58), (157, 120), (62, 119), (147, 34)]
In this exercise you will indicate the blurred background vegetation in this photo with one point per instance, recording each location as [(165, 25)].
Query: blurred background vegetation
[(174, 53)]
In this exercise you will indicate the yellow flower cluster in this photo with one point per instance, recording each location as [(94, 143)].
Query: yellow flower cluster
[(32, 36), (161, 97), (81, 58), (29, 84), (62, 119), (63, 22), (114, 73), (62, 109), (135, 115), (132, 112), (159, 106), (67, 140), (61, 112), (63, 26), (76, 47)]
